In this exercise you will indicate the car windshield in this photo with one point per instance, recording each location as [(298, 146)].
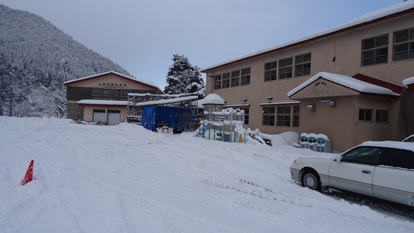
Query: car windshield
[(363, 155)]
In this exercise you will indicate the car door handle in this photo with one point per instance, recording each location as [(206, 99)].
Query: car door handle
[(366, 172)]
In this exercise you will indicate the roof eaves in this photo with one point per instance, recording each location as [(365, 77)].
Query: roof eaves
[(345, 83), (88, 77), (374, 17), (382, 83), (111, 72)]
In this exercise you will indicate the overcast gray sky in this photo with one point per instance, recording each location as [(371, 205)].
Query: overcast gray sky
[(142, 35)]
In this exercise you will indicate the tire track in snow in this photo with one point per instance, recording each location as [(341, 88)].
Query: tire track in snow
[(29, 210), (68, 200), (162, 216)]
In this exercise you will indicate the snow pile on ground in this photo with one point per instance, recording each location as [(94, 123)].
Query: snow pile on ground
[(126, 179), (287, 138)]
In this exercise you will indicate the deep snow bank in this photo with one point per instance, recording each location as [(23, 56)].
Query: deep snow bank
[(126, 179)]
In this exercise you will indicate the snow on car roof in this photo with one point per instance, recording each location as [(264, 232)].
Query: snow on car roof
[(391, 144)]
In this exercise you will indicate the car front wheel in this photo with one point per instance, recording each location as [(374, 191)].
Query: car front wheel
[(310, 179)]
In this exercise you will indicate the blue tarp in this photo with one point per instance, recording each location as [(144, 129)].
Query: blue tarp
[(178, 118), (148, 118)]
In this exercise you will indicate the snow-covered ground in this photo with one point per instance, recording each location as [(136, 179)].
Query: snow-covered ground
[(126, 179)]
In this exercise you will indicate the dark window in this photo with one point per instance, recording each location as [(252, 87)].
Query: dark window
[(245, 76), (403, 45), (235, 78), (109, 94), (375, 50), (363, 155), (365, 114), (225, 82), (381, 116), (283, 116), (303, 64), (246, 115), (114, 111), (296, 116), (217, 81), (269, 116), (397, 158), (270, 71), (285, 68)]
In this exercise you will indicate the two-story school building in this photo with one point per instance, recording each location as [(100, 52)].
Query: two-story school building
[(352, 82), (103, 98)]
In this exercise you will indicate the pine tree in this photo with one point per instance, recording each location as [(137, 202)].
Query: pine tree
[(182, 77)]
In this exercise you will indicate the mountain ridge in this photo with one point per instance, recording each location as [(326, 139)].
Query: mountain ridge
[(36, 58)]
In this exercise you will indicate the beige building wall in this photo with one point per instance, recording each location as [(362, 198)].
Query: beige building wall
[(330, 120), (341, 122), (339, 53)]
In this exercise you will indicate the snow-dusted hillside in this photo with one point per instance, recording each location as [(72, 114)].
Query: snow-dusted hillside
[(126, 179), (35, 59)]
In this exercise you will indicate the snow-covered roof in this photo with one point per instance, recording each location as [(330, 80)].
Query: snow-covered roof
[(236, 105), (105, 73), (283, 102), (212, 99), (166, 101), (346, 81), (409, 81), (391, 144), (103, 102), (376, 15), (162, 95)]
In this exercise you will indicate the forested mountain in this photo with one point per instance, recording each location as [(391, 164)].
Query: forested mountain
[(35, 59)]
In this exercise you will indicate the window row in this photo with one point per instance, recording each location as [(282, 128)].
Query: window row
[(375, 49), (112, 84), (301, 67), (232, 79), (287, 116), (367, 115)]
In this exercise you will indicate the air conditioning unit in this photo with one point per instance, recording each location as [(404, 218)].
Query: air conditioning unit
[(311, 107)]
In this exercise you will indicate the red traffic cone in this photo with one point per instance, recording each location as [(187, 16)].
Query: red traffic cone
[(29, 174)]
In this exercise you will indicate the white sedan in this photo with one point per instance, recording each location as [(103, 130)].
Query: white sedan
[(383, 170)]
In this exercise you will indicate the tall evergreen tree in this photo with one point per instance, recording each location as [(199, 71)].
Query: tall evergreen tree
[(182, 77)]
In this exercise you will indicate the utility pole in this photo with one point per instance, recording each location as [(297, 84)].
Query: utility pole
[(10, 96), (1, 97)]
